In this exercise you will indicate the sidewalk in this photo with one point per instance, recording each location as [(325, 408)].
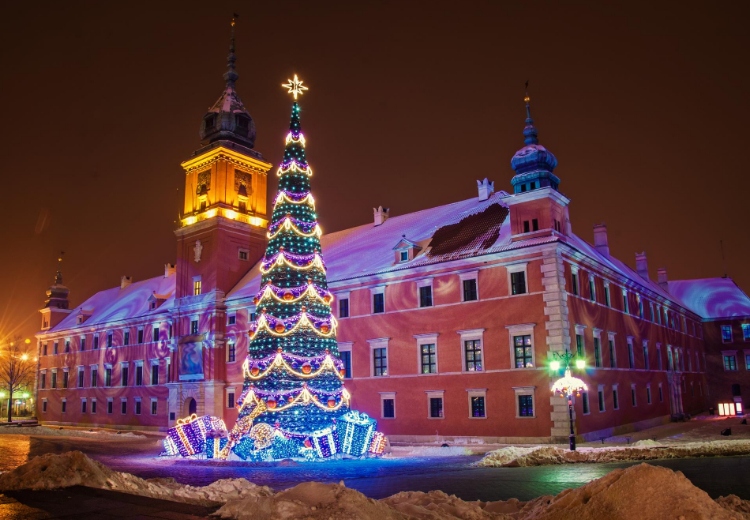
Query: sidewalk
[(92, 504)]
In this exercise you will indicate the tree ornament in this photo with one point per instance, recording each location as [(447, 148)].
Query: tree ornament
[(279, 327), (306, 368), (271, 403), (331, 402)]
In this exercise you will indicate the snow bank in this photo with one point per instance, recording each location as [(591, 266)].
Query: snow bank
[(640, 492), (73, 468), (430, 451), (513, 456), (67, 432)]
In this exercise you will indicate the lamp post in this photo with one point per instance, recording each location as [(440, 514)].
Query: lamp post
[(567, 385)]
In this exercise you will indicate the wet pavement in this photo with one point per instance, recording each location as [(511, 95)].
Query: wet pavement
[(376, 478)]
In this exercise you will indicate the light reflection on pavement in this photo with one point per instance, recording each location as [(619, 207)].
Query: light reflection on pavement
[(376, 478)]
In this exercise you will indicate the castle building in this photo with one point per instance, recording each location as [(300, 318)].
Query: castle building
[(448, 317)]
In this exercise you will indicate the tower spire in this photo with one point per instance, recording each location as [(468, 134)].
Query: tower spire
[(58, 275), (529, 131), (231, 76)]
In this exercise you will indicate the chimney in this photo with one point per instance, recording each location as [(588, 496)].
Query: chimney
[(641, 265), (125, 281), (169, 270), (601, 243), (381, 215), (661, 274), (485, 188)]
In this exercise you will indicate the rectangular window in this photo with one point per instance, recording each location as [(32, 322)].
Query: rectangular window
[(526, 227), (55, 347), (67, 346), (230, 399), (380, 361), (730, 362), (640, 308), (428, 356), (425, 296), (44, 405), (522, 351), (436, 407), (232, 319), (44, 349), (585, 402), (747, 362), (251, 315), (138, 407), (746, 332), (597, 352), (155, 334), (155, 374), (193, 327), (574, 283), (231, 352), (615, 399), (63, 406), (625, 306), (534, 224), (579, 346), (54, 379), (123, 406), (670, 361), (43, 380), (526, 406), (726, 333), (124, 372), (631, 355), (607, 301), (243, 254), (83, 343), (646, 363), (518, 282), (140, 336), (126, 338), (65, 379), (154, 406), (110, 406), (648, 395), (96, 341), (477, 406), (94, 377), (389, 407), (473, 355), (109, 340), (633, 400), (138, 375), (108, 376), (80, 377), (470, 290), (93, 406), (592, 289), (378, 303), (344, 308), (612, 353), (659, 362), (196, 287), (601, 400), (346, 358)]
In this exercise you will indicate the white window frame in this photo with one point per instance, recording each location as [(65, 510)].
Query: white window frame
[(124, 364), (731, 335), (63, 405), (577, 289), (84, 401), (92, 408), (233, 341), (123, 400), (373, 291), (744, 327), (435, 394), (615, 405), (607, 295), (230, 390), (151, 409), (613, 351), (241, 250), (196, 280), (521, 267), (44, 405), (631, 353), (603, 407), (346, 295), (392, 395), (587, 397), (111, 400), (346, 346), (729, 353), (633, 395), (646, 357), (592, 288), (428, 339), (597, 334), (469, 275), (524, 390), (579, 331), (81, 368), (521, 329), (478, 392), (426, 282), (379, 343), (137, 410), (231, 315), (468, 335)]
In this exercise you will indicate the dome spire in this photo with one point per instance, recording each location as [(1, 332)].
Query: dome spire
[(58, 275), (230, 76), (529, 131)]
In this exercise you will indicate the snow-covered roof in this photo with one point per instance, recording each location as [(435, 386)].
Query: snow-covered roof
[(118, 304), (711, 298)]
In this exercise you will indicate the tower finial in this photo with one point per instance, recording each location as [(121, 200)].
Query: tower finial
[(529, 131), (58, 276), (230, 76)]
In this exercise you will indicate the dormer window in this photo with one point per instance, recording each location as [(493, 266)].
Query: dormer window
[(243, 122), (403, 256), (210, 122), (406, 250)]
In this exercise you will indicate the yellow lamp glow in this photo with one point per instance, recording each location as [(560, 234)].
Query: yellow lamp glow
[(580, 364), (230, 214), (554, 365)]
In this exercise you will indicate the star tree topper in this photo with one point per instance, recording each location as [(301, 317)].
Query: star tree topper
[(295, 86)]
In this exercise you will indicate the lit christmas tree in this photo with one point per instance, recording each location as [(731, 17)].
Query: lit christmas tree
[(293, 404)]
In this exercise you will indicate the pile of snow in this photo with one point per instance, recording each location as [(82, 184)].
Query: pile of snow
[(640, 492), (513, 456), (68, 432), (73, 468), (430, 451)]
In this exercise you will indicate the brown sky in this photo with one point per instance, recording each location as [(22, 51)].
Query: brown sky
[(644, 104)]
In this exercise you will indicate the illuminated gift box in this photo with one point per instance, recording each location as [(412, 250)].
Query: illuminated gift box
[(354, 431), (325, 443), (377, 445), (214, 445), (189, 434)]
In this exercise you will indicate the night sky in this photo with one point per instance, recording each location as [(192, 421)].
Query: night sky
[(644, 104)]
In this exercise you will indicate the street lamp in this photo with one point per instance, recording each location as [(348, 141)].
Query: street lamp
[(567, 385)]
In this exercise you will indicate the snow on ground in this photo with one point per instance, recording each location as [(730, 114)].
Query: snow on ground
[(513, 456), (68, 432), (661, 493), (430, 451)]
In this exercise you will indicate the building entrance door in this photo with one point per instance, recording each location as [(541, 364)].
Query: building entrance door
[(190, 407)]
